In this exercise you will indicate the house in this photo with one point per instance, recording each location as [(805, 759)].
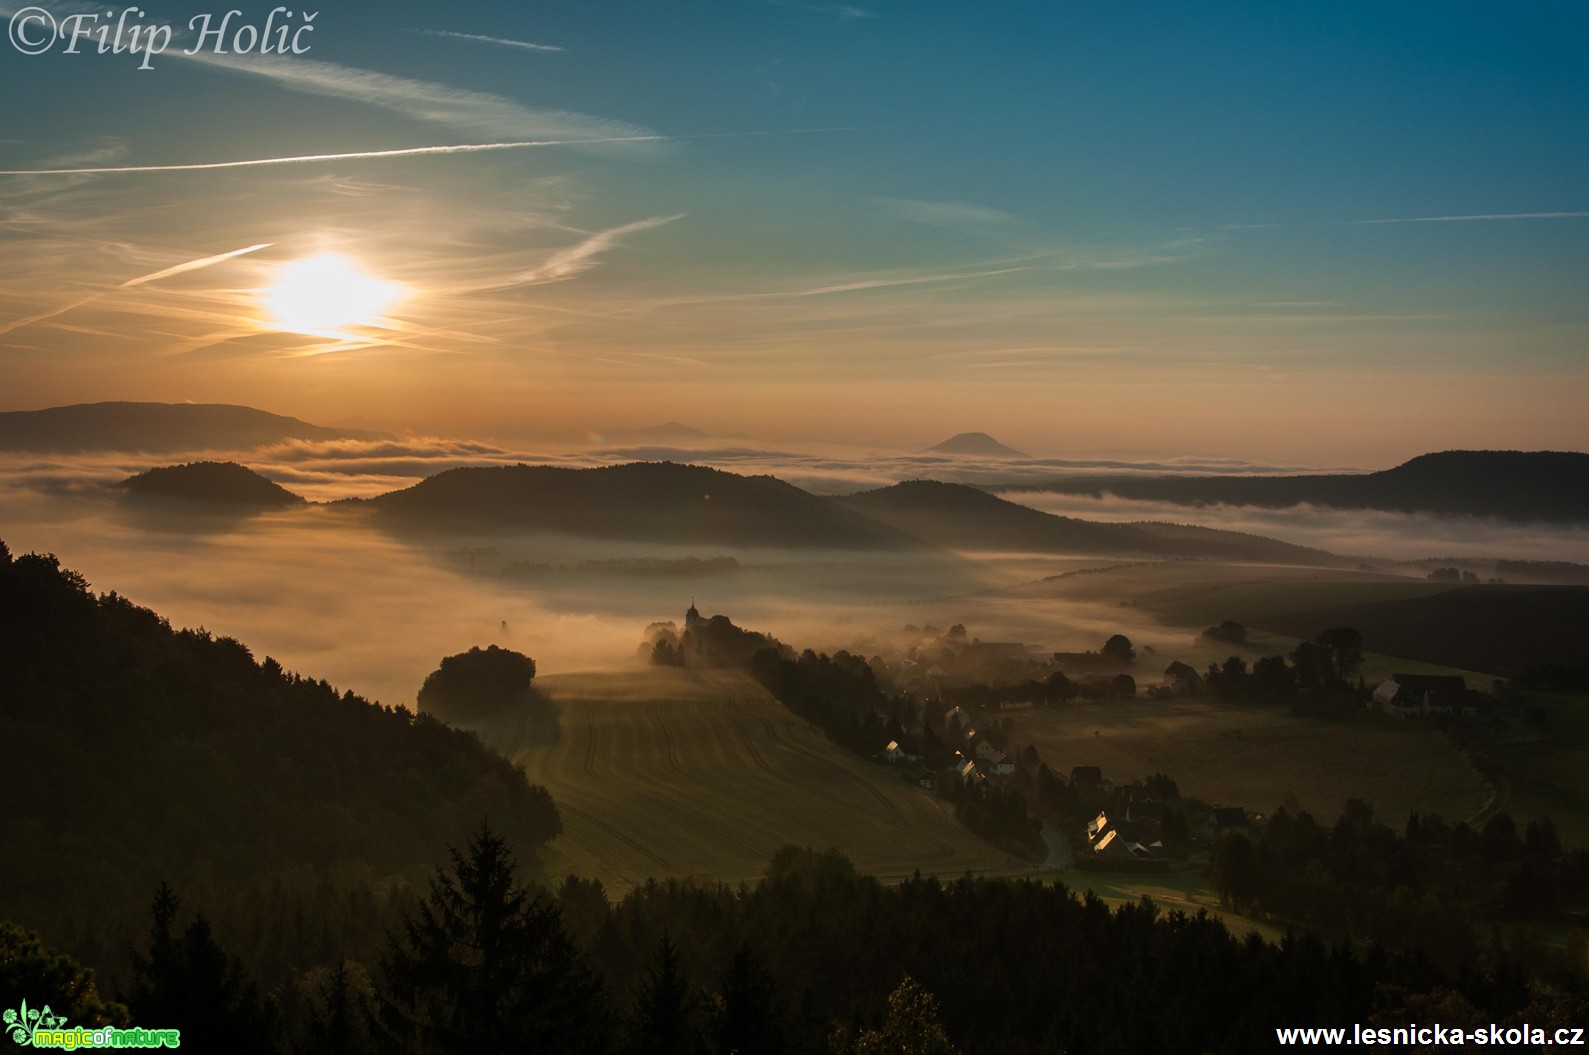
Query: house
[(1096, 826), (1183, 679), (1224, 820), (957, 717), (986, 751), (1420, 695), (1114, 844), (967, 772), (1001, 765), (893, 752)]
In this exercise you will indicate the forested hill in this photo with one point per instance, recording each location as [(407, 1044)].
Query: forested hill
[(135, 752), (666, 502), (963, 518), (210, 483), (653, 501), (1511, 485), (155, 427)]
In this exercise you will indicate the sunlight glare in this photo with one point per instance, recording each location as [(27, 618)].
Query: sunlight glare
[(326, 292)]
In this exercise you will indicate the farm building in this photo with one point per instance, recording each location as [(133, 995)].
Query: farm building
[(1182, 678), (1420, 695)]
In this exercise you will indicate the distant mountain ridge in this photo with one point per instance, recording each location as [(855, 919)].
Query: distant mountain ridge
[(1511, 485), (652, 501), (958, 516), (667, 502), (220, 483), (156, 427), (976, 444), (668, 432)]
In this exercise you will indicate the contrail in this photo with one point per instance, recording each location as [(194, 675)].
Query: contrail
[(41, 316), (191, 265), (456, 148), (1480, 217)]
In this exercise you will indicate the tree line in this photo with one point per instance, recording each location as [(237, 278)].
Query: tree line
[(815, 957)]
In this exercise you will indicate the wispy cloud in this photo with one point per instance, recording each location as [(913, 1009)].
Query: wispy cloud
[(568, 261), (843, 12), (480, 38), (1479, 217), (177, 269), (962, 216), (441, 104)]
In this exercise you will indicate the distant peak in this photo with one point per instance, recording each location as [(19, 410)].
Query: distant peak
[(976, 443)]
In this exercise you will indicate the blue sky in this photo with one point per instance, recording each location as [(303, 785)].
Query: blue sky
[(1324, 232)]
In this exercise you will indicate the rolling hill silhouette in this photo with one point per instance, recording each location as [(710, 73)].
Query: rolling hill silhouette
[(667, 502), (156, 427), (961, 517), (215, 483), (976, 443), (1512, 485), (652, 501)]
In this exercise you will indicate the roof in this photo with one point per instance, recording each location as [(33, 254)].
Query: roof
[(1179, 670), (1108, 838), (893, 745)]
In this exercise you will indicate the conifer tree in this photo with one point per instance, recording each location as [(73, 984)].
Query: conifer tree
[(484, 967)]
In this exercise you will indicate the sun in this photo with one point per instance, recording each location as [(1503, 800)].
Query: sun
[(326, 293)]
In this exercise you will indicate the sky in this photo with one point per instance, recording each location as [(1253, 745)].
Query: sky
[(1324, 234)]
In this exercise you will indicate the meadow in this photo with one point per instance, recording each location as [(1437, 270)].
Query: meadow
[(665, 772), (1262, 757)]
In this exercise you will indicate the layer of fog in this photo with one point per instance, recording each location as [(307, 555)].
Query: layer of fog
[(325, 470), (1354, 532), (328, 594)]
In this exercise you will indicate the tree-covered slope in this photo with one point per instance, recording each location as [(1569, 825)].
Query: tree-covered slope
[(649, 501), (965, 518), (136, 752), (1511, 485), (155, 427), (210, 483)]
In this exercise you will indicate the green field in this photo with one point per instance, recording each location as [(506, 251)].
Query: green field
[(664, 772), (1234, 755), (1545, 768)]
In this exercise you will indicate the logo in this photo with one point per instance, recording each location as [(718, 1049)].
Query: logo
[(42, 1028)]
